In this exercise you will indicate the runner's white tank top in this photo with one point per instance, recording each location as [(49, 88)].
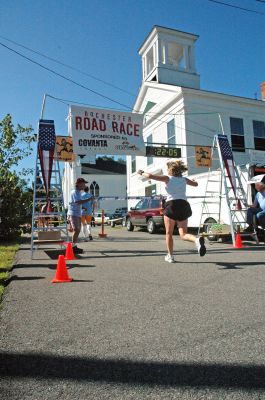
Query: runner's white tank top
[(176, 188)]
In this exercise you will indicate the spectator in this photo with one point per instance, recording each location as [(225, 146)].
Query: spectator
[(258, 208), (74, 211)]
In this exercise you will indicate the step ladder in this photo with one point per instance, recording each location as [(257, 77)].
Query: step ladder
[(230, 189), (49, 220)]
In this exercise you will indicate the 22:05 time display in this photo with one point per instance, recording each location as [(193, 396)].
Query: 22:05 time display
[(152, 151)]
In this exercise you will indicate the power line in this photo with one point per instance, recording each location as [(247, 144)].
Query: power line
[(85, 87), (64, 77), (68, 102), (68, 66), (237, 7)]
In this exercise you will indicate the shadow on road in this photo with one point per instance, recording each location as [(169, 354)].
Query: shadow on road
[(239, 265), (45, 265), (21, 278), (167, 374)]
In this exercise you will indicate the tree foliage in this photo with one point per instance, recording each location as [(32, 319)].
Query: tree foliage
[(15, 197)]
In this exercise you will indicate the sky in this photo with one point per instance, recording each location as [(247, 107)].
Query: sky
[(102, 38)]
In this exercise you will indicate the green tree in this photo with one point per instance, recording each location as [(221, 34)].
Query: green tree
[(15, 197)]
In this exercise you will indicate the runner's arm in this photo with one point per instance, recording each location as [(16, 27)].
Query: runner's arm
[(161, 178), (191, 182)]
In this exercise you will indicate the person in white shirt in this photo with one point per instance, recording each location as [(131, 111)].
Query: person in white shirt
[(177, 209), (74, 210)]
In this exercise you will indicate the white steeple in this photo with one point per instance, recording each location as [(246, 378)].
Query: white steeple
[(168, 57)]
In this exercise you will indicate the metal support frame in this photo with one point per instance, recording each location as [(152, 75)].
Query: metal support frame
[(237, 218), (56, 182)]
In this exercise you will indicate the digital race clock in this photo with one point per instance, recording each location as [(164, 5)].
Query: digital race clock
[(152, 151)]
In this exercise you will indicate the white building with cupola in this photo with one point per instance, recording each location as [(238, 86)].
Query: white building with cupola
[(179, 113)]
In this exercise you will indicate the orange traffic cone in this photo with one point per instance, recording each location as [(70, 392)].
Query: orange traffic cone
[(69, 254), (238, 243), (61, 272)]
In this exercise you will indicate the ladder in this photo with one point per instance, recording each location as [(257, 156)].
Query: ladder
[(230, 189), (49, 220)]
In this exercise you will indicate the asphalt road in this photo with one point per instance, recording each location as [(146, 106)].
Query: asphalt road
[(131, 326)]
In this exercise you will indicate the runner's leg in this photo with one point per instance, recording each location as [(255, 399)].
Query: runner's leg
[(183, 231), (169, 225)]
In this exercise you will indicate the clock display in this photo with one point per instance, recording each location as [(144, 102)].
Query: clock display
[(152, 151)]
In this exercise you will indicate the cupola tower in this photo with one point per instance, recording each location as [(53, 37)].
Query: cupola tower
[(168, 57)]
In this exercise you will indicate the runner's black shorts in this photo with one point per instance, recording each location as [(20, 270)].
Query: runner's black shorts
[(179, 210)]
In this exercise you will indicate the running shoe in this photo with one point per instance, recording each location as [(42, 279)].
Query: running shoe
[(169, 258), (200, 246), (90, 237), (77, 250)]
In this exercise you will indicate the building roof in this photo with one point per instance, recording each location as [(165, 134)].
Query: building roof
[(186, 90), (104, 166), (164, 29)]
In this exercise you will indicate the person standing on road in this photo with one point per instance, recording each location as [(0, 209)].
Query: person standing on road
[(87, 214), (177, 209), (258, 208), (74, 211)]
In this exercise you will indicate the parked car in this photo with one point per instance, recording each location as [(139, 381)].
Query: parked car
[(98, 218), (117, 218), (147, 213), (123, 210)]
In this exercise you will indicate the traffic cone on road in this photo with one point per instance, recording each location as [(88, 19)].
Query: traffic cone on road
[(61, 274), (238, 242), (69, 254)]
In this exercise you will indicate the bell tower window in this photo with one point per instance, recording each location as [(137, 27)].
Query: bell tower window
[(168, 58), (176, 55), (149, 61)]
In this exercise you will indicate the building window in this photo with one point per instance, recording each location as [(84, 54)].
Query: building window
[(171, 137), (176, 55), (133, 164), (149, 141), (150, 190), (149, 61), (94, 189), (237, 134), (259, 135)]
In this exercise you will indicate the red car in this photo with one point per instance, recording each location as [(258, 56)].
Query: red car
[(147, 213)]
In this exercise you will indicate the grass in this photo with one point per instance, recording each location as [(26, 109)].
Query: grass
[(7, 253)]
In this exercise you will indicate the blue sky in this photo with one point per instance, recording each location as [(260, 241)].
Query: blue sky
[(102, 38)]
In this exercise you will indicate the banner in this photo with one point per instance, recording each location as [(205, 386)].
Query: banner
[(97, 131), (46, 145), (228, 159), (203, 156), (64, 146)]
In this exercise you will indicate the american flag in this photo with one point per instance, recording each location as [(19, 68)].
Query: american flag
[(227, 156), (46, 145)]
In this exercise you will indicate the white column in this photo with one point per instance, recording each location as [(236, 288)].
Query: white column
[(144, 67), (191, 59), (186, 58), (166, 52), (159, 51)]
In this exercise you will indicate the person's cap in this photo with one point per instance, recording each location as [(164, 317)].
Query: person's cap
[(257, 179), (80, 180)]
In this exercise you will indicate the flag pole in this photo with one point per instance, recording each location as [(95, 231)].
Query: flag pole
[(221, 123), (35, 179), (43, 106)]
